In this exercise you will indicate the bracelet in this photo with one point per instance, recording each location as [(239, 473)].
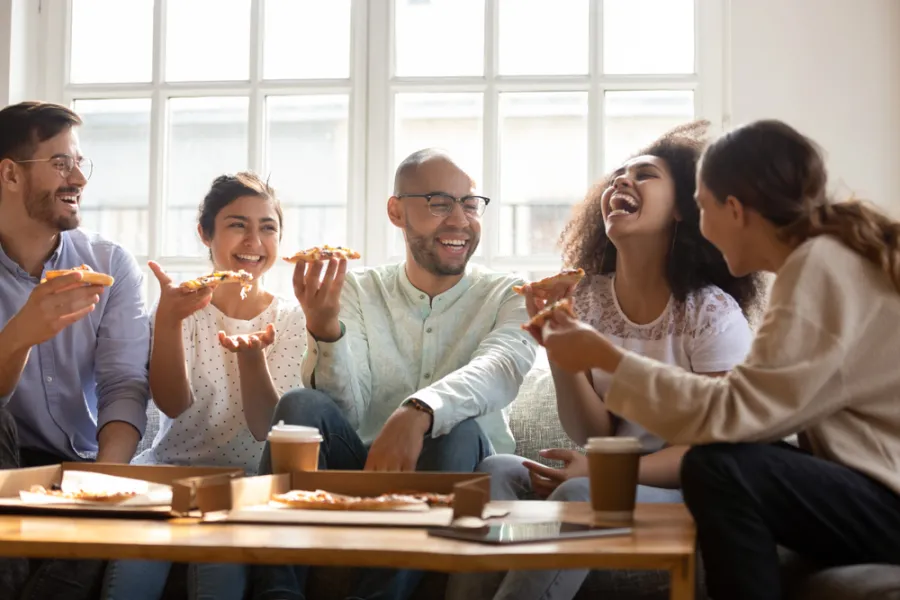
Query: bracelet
[(421, 406)]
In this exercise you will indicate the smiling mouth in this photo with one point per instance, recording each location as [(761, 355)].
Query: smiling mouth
[(251, 259), (454, 245), (70, 199), (621, 205)]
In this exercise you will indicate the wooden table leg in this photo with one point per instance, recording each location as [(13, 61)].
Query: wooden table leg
[(681, 586)]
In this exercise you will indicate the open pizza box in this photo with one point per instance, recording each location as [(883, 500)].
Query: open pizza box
[(149, 491), (249, 500)]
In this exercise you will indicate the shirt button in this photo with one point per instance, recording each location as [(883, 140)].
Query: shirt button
[(427, 375), (428, 330), (421, 296), (49, 379)]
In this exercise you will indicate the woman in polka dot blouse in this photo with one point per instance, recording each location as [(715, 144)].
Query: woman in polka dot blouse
[(218, 365)]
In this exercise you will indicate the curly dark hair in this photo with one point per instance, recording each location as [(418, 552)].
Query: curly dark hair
[(694, 262)]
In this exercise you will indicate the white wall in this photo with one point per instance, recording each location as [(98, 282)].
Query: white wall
[(830, 68)]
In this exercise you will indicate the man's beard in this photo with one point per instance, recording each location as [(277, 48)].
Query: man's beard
[(41, 207), (424, 251)]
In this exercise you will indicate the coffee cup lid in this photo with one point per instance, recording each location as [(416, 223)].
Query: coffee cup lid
[(294, 433), (614, 444)]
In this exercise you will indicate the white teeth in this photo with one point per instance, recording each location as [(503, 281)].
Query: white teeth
[(618, 212), (623, 202), (250, 257), (453, 242)]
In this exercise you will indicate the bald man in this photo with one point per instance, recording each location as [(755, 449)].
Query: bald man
[(409, 366)]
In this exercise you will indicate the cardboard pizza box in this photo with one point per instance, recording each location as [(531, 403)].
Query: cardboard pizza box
[(246, 500), (13, 482)]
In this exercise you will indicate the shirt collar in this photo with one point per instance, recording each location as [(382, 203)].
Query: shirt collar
[(440, 302), (50, 264)]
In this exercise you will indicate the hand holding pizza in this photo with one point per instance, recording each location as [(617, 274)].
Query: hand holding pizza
[(177, 303), (571, 344), (51, 307), (251, 341), (320, 295)]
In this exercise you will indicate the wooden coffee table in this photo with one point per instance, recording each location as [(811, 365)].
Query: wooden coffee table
[(663, 538)]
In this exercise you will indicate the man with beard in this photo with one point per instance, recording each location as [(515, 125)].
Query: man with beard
[(73, 357), (409, 366)]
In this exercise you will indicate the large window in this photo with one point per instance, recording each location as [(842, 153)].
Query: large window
[(537, 98)]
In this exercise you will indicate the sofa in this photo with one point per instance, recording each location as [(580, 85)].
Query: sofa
[(535, 425)]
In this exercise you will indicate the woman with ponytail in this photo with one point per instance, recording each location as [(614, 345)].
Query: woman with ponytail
[(823, 366)]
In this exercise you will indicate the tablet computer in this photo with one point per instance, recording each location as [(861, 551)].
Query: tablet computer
[(520, 533)]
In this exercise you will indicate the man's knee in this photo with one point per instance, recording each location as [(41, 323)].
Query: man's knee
[(462, 449), (502, 465), (714, 466), (305, 406)]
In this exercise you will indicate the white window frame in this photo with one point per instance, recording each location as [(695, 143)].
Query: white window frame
[(371, 86)]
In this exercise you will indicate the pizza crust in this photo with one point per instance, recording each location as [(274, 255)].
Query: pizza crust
[(323, 253), (567, 278), (88, 276)]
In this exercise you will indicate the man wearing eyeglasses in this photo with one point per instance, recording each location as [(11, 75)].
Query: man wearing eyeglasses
[(410, 366), (73, 357)]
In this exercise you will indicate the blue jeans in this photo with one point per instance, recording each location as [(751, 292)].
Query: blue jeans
[(510, 481), (146, 580), (461, 450)]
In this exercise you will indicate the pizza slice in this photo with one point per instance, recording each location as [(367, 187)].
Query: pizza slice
[(564, 279), (88, 275), (430, 498), (86, 495), (322, 500), (218, 278), (537, 321), (323, 253)]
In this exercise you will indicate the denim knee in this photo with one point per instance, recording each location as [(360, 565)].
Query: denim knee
[(577, 489), (305, 406)]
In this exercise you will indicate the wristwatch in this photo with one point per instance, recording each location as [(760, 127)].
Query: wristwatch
[(419, 405)]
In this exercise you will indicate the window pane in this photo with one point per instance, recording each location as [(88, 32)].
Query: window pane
[(279, 280), (307, 162), (439, 37), (116, 137), (307, 39), (543, 168), (207, 138), (208, 40), (648, 36), (112, 54), (634, 119), (451, 122), (543, 38)]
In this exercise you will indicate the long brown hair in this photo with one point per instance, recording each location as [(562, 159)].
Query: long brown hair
[(693, 263), (780, 173)]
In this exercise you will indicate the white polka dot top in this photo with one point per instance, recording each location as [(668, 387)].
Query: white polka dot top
[(213, 431)]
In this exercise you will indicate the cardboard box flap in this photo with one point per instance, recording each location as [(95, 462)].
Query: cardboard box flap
[(13, 481)]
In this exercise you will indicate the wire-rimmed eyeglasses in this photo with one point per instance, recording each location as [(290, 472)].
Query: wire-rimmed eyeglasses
[(65, 164), (441, 204)]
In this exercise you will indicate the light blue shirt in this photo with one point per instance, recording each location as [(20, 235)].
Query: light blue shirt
[(92, 372), (463, 352)]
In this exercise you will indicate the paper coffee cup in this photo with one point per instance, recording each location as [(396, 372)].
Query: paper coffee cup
[(294, 448), (613, 464)]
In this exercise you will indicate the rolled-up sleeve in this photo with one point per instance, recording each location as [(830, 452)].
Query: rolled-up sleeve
[(123, 348), (491, 379)]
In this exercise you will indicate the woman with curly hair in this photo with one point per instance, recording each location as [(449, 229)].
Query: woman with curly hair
[(823, 366), (654, 286)]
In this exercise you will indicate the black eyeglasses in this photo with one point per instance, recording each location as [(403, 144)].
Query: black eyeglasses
[(441, 204), (65, 163)]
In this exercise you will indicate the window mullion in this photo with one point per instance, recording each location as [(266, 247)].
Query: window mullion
[(596, 125), (357, 166), (379, 129), (256, 159), (491, 131)]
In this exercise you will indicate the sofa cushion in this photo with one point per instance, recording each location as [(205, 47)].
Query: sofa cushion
[(533, 417)]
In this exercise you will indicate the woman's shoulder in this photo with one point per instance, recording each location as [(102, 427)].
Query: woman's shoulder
[(708, 310)]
